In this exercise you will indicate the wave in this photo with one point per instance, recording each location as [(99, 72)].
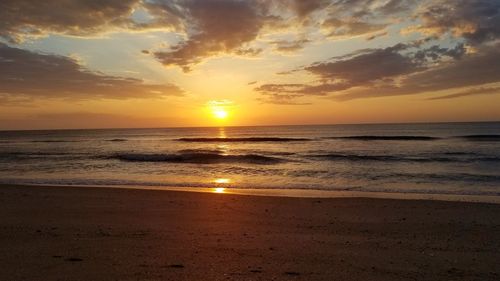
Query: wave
[(398, 138), (459, 153), (249, 139), (355, 157), (391, 158), (117, 140), (14, 156), (263, 152), (481, 137), (190, 151), (416, 138), (54, 141), (453, 177), (198, 158)]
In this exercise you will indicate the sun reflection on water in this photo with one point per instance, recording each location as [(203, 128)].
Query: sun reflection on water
[(222, 133), (219, 183)]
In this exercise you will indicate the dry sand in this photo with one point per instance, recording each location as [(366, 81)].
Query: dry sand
[(68, 233)]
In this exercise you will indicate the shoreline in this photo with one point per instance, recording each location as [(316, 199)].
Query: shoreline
[(294, 193)]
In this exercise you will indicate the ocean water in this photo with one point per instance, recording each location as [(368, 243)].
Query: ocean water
[(446, 158)]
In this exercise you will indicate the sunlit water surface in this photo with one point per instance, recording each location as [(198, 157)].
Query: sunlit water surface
[(424, 158)]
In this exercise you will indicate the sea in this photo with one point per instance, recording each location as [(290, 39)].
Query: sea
[(437, 158)]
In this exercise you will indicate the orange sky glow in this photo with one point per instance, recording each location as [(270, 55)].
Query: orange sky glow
[(175, 63)]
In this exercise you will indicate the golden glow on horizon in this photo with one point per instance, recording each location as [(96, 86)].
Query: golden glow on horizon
[(219, 183), (220, 113), (219, 109), (260, 72), (222, 181)]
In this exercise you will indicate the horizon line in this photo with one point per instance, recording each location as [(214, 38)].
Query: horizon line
[(243, 126)]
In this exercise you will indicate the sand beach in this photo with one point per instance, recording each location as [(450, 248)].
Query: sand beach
[(72, 233)]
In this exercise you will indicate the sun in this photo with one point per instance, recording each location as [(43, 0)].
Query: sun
[(220, 113), (220, 109)]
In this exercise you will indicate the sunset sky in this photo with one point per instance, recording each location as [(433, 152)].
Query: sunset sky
[(160, 63)]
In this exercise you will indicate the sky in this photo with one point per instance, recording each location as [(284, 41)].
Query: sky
[(176, 63)]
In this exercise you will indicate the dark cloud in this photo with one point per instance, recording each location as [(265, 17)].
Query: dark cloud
[(217, 26), (248, 52), (372, 65), (304, 8), (349, 18), (25, 74), (343, 28), (33, 17), (376, 35), (212, 27), (397, 70), (475, 20), (25, 18), (472, 70), (290, 46), (280, 88)]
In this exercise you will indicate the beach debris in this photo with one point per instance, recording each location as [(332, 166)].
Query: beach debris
[(176, 266), (74, 259)]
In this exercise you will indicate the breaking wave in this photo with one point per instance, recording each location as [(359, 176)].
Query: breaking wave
[(251, 139), (198, 158), (53, 141), (396, 138), (392, 158), (481, 137)]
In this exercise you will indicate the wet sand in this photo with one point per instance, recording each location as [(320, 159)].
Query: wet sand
[(70, 233)]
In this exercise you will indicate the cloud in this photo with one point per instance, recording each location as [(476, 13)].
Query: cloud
[(281, 99), (25, 75), (22, 18), (398, 70), (290, 46), (368, 66), (475, 20), (341, 28), (211, 27), (376, 35), (347, 19), (305, 8), (423, 66), (470, 70), (473, 92), (216, 26)]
